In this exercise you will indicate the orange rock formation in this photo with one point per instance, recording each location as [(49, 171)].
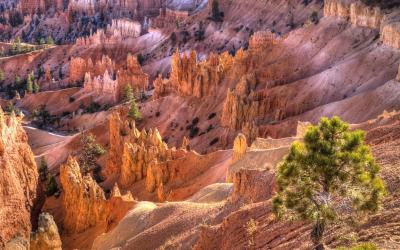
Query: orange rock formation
[(18, 180), (83, 200)]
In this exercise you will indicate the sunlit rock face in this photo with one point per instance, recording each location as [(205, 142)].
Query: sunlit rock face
[(386, 22), (106, 81), (398, 75), (18, 180), (46, 236), (84, 203), (40, 6), (191, 77), (390, 34)]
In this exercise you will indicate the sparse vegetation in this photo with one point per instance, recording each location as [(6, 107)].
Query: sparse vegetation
[(90, 153), (216, 14), (134, 112), (364, 246), (251, 230), (331, 168)]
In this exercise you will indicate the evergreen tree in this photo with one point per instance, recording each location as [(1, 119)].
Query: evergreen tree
[(128, 93), (36, 87), (29, 84), (91, 151), (1, 76), (17, 81), (332, 167), (50, 40), (134, 112), (51, 185), (43, 169)]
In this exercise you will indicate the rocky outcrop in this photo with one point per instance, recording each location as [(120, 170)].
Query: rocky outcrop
[(337, 8), (83, 201), (242, 107), (390, 35), (103, 88), (365, 16), (18, 180), (40, 6), (362, 15), (239, 147), (253, 185), (46, 237), (113, 34), (359, 13), (398, 75), (168, 18), (140, 157), (105, 80), (189, 77)]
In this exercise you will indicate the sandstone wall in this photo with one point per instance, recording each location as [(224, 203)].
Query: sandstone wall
[(83, 201), (390, 34), (398, 75), (189, 77), (239, 147), (18, 180), (364, 16), (106, 80)]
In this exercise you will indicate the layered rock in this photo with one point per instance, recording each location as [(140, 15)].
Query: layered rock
[(40, 6), (390, 35), (189, 77), (338, 8), (83, 201), (141, 155), (168, 18), (106, 80), (114, 34), (366, 16), (359, 13), (398, 75), (362, 15), (261, 40), (18, 180), (242, 105), (253, 185), (46, 237), (103, 88)]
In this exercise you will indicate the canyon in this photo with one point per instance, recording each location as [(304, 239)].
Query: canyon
[(190, 107)]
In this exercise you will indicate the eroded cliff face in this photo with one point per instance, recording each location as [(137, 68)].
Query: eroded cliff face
[(105, 80), (190, 77), (18, 180), (365, 16), (136, 155), (83, 201), (46, 237), (398, 75), (390, 35)]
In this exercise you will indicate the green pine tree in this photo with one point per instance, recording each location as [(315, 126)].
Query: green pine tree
[(51, 185), (43, 169), (134, 112), (1, 76), (36, 87), (128, 93), (332, 167), (91, 151), (50, 40), (29, 85)]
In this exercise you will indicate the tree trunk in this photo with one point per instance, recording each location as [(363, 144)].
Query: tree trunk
[(317, 235)]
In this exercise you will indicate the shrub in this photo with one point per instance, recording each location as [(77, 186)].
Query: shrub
[(51, 185)]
